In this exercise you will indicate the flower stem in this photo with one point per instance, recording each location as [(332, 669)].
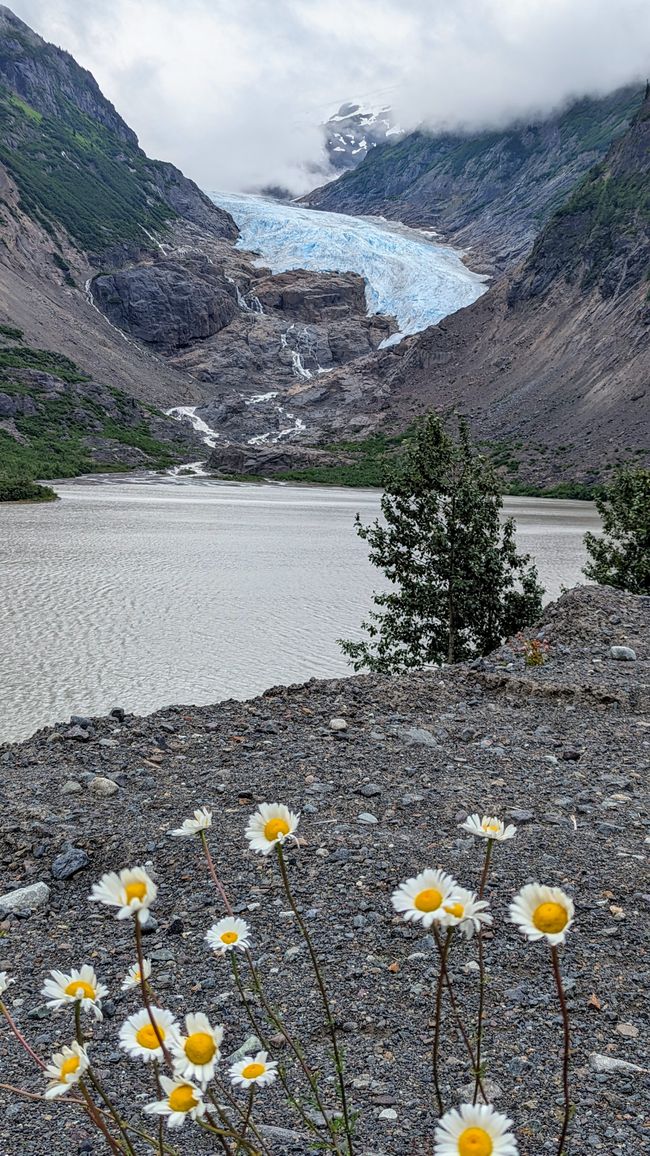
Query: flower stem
[(145, 993), (249, 1109), (481, 972), (338, 1060), (293, 1044), (457, 1017), (19, 1035), (96, 1117), (213, 874), (566, 1048), (222, 1116), (444, 950)]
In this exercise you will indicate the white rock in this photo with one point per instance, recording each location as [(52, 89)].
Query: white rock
[(388, 1114), (338, 724), (366, 817), (623, 653), (611, 1064), (25, 898), (103, 787)]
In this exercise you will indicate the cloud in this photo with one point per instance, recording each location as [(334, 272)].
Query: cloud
[(234, 92)]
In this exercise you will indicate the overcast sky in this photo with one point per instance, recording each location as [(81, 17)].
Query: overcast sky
[(233, 91)]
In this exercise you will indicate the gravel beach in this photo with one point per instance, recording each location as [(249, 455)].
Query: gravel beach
[(561, 750)]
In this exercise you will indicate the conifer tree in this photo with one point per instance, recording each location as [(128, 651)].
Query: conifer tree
[(621, 556), (457, 585)]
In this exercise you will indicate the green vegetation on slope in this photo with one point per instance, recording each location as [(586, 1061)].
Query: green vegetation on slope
[(73, 170)]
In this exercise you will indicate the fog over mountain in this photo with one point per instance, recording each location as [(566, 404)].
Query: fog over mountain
[(235, 93)]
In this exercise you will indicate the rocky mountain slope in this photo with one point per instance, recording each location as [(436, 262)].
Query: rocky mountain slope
[(554, 362), (491, 191), (353, 131)]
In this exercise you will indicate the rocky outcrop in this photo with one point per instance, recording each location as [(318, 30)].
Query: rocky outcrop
[(490, 191), (167, 305), (304, 296), (266, 460)]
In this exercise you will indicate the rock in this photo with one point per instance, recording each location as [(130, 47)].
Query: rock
[(250, 1045), (623, 653), (492, 1091), (628, 1030), (417, 735), (388, 1114), (81, 734), (103, 787), (366, 817), (71, 788), (338, 724), (369, 790), (25, 898), (69, 862), (612, 1064), (263, 460)]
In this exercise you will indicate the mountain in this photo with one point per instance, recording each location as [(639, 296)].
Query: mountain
[(353, 131), (490, 191), (552, 365)]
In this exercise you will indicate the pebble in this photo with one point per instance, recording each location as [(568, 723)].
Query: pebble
[(388, 1114), (623, 653), (417, 735), (103, 787), (71, 787), (366, 817), (25, 898), (628, 1030), (369, 790), (69, 862), (338, 724), (612, 1064)]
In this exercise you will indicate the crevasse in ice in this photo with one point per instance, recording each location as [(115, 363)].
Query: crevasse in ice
[(407, 275)]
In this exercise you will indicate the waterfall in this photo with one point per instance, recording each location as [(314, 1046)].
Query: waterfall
[(188, 413)]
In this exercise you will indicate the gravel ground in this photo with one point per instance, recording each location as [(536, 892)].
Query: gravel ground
[(561, 750)]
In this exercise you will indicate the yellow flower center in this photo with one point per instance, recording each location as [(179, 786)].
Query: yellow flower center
[(78, 989), (253, 1071), (182, 1099), (69, 1066), (229, 937), (455, 909), (275, 827), (551, 918), (147, 1037), (428, 900), (475, 1142), (200, 1048), (135, 891), (490, 826)]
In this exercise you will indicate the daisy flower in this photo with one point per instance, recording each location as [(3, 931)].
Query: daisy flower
[(81, 986), (132, 891), (489, 827), (4, 982), (253, 1070), (465, 910), (137, 1035), (133, 977), (197, 1054), (422, 897), (181, 1100), (64, 1069), (271, 823), (202, 821), (474, 1131), (543, 912), (228, 934)]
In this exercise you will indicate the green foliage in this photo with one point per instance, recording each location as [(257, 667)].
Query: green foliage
[(73, 170), (458, 586), (621, 556), (24, 490), (11, 332), (23, 357)]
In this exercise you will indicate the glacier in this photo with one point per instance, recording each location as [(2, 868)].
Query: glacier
[(408, 274)]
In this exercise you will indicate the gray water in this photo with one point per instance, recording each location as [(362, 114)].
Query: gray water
[(142, 594)]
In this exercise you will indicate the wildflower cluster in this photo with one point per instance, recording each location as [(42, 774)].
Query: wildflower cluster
[(182, 1055)]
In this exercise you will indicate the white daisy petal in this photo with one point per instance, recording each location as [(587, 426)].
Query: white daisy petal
[(138, 1037), (133, 978), (229, 934), (77, 986), (182, 1100), (253, 1070), (465, 910), (422, 898), (197, 1053), (543, 912), (489, 827), (133, 891), (474, 1130), (269, 825), (65, 1069), (202, 821)]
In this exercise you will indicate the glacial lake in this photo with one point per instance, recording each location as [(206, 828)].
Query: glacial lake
[(177, 590)]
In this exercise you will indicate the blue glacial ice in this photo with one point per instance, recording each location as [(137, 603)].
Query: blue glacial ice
[(408, 274)]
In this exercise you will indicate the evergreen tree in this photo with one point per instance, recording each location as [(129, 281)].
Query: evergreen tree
[(457, 585), (621, 556)]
